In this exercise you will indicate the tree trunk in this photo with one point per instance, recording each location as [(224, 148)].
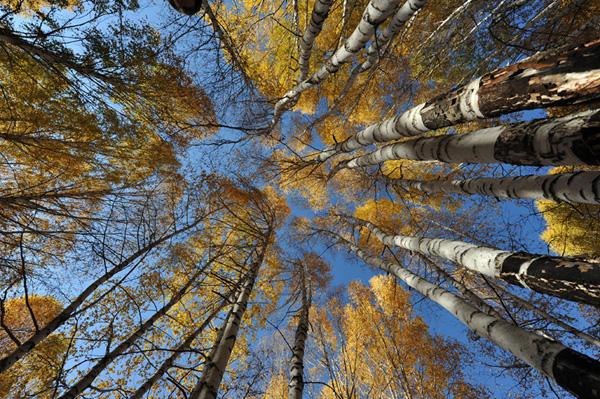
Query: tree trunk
[(572, 370), (405, 13), (464, 291), (214, 367), (581, 187), (561, 277), (550, 318), (319, 14), (296, 387), (67, 313), (572, 140), (565, 76), (376, 12)]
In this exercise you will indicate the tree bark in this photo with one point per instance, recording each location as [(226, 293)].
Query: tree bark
[(296, 386), (565, 278), (376, 12), (580, 187), (318, 16), (565, 76), (572, 140), (575, 372), (567, 327), (214, 367), (405, 13)]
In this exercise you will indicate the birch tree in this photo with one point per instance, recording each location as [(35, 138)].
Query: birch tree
[(549, 357)]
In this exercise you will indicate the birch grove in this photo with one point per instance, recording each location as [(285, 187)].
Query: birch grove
[(175, 189), (549, 357)]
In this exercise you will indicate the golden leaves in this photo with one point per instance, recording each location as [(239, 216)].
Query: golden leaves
[(36, 371), (571, 228)]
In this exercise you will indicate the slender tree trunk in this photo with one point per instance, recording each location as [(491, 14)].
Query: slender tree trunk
[(319, 14), (67, 313), (575, 372), (464, 291), (572, 140), (296, 386), (85, 381), (564, 76), (581, 187), (214, 367), (376, 12), (561, 277), (185, 345), (396, 22)]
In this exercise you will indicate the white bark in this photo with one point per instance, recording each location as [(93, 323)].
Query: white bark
[(573, 371), (548, 142), (563, 76), (461, 288), (483, 260), (214, 367), (580, 187), (552, 319), (318, 16), (376, 12), (565, 278), (533, 349), (397, 21)]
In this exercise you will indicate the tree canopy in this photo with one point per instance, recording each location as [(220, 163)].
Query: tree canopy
[(189, 201)]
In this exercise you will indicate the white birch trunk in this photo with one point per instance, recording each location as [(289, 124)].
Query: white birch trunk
[(214, 367), (572, 140), (461, 288), (296, 386), (561, 277), (67, 312), (580, 187), (85, 381), (564, 76), (573, 371), (317, 18), (397, 21), (376, 12), (567, 327)]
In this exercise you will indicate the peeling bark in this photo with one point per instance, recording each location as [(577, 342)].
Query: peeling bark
[(572, 370), (566, 278), (571, 140), (578, 187), (564, 76)]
